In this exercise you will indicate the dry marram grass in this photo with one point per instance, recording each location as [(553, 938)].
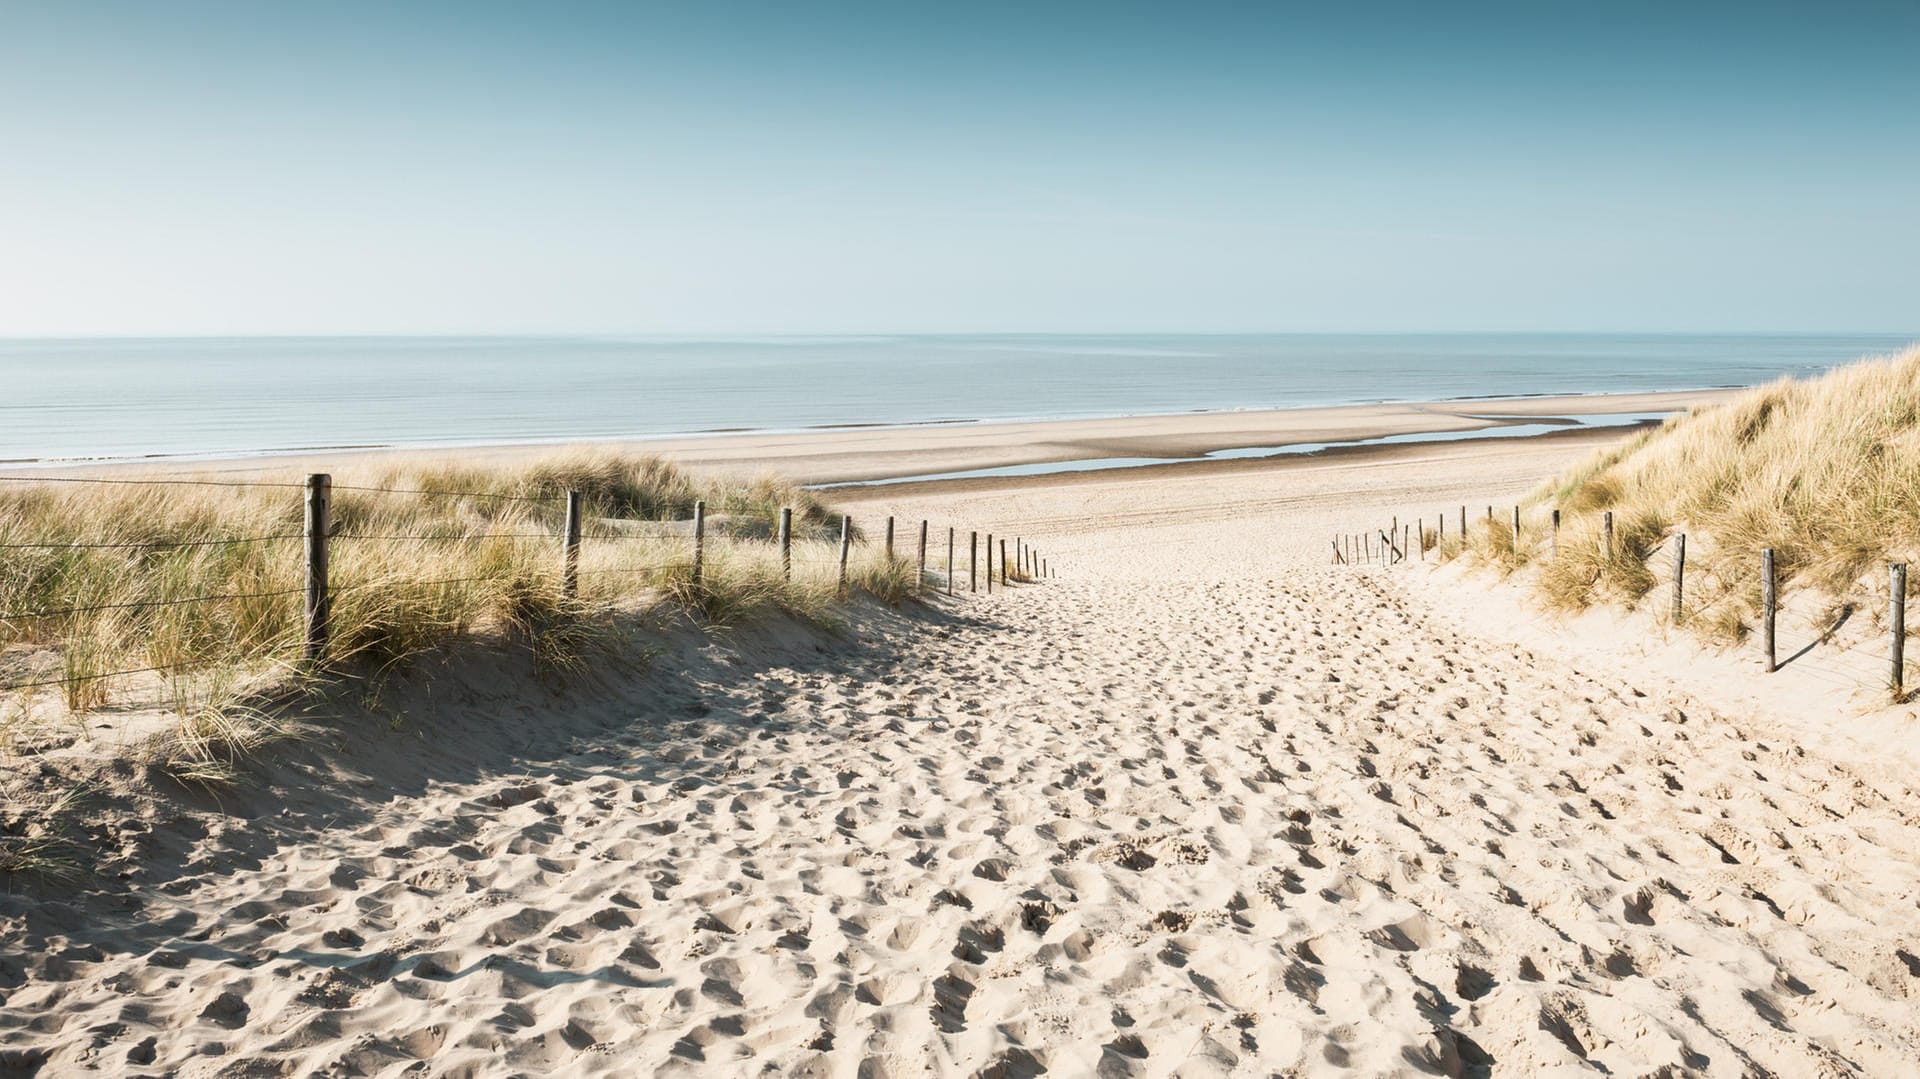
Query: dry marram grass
[(1825, 471), (105, 578)]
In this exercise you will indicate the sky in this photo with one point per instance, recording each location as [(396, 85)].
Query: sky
[(183, 168)]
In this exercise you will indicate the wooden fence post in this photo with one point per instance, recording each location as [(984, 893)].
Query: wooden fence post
[(1606, 536), (1897, 619), (921, 581), (973, 561), (949, 560), (1679, 574), (570, 547), (846, 541), (319, 606), (786, 542), (1554, 551), (1003, 563), (1463, 524), (1389, 552), (989, 563), (699, 538), (1769, 600), (1516, 531)]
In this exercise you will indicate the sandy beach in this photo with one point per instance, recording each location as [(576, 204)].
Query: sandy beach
[(852, 454), (1202, 804)]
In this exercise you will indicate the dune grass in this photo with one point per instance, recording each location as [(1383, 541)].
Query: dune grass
[(37, 835), (95, 578), (1824, 471)]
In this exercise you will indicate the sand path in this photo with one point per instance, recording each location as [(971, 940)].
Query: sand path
[(1126, 826)]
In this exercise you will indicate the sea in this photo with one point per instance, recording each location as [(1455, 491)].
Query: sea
[(89, 400)]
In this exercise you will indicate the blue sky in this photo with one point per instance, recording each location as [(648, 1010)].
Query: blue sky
[(242, 168)]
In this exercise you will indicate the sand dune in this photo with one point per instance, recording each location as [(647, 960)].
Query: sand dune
[(1204, 805)]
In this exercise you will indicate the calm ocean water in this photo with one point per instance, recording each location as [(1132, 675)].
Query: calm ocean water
[(214, 396)]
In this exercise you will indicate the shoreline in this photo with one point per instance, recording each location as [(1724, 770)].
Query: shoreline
[(859, 454), (1495, 400)]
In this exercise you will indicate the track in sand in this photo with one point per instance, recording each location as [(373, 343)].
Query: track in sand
[(1289, 824)]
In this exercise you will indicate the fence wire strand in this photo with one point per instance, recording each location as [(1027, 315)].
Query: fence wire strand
[(151, 482), (75, 679), (449, 537), (557, 496), (154, 545), (31, 616)]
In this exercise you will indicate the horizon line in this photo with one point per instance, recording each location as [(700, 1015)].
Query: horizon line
[(657, 335)]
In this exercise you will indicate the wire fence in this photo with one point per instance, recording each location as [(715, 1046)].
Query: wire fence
[(661, 553), (1723, 598)]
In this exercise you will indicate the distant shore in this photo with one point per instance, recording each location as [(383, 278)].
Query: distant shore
[(858, 454)]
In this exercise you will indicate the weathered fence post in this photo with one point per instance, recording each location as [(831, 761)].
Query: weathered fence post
[(786, 542), (1606, 536), (921, 581), (846, 541), (1554, 550), (319, 600), (1769, 599), (699, 538), (1516, 531), (949, 560), (1003, 563), (570, 547), (1679, 573), (973, 561), (889, 537), (989, 563), (1463, 524), (1897, 620)]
